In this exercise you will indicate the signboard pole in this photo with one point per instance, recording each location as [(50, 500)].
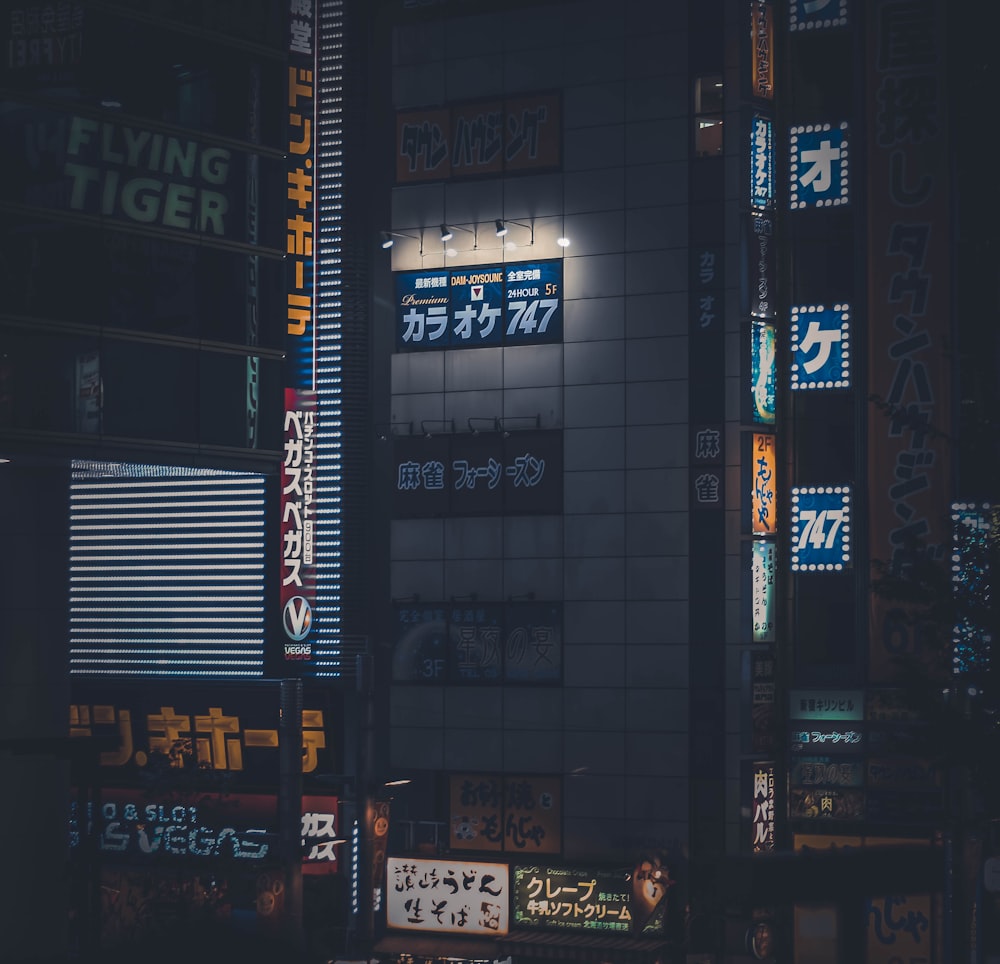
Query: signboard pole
[(290, 802)]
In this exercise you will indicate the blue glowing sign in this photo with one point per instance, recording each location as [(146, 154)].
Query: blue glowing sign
[(818, 166), (816, 14), (534, 303), (763, 372), (423, 300), (761, 163), (820, 339), (821, 528), (478, 307)]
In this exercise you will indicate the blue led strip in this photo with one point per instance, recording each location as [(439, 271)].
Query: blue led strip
[(166, 571), (328, 297)]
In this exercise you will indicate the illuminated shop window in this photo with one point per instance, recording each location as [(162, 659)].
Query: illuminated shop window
[(708, 116)]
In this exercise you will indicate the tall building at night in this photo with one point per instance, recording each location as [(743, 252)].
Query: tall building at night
[(510, 405), (173, 507), (677, 343)]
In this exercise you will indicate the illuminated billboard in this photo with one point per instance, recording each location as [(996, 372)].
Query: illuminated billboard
[(821, 531), (816, 14), (762, 807), (480, 307), (298, 524), (818, 166), (821, 346), (764, 563), (764, 521), (763, 372), (567, 899), (196, 732), (761, 162), (180, 552), (447, 896)]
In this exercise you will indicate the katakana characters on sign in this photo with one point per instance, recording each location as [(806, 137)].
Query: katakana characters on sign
[(213, 740), (564, 898), (818, 166), (820, 339)]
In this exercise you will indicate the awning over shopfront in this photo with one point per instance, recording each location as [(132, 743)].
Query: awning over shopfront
[(423, 947), (577, 946)]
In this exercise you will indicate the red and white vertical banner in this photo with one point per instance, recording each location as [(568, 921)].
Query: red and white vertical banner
[(298, 524), (908, 307)]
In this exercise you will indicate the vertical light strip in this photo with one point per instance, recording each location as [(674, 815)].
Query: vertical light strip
[(329, 332), (166, 571)]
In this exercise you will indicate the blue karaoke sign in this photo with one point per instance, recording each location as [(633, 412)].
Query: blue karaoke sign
[(820, 338), (820, 528), (478, 307), (761, 163), (818, 166)]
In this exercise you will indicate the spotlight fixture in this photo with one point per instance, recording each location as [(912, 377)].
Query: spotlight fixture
[(446, 233), (562, 241), (501, 228), (388, 238)]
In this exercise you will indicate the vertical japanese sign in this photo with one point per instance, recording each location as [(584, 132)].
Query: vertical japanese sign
[(763, 808), (761, 163), (447, 896), (298, 471), (758, 272), (298, 523), (908, 306), (320, 834), (764, 556), (763, 486), (763, 372), (821, 341), (762, 49)]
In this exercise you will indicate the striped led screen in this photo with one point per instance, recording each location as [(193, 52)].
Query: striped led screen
[(166, 571)]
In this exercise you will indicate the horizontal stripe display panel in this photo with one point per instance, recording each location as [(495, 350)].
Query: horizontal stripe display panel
[(166, 571)]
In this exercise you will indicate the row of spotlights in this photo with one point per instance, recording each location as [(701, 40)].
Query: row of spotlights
[(388, 237)]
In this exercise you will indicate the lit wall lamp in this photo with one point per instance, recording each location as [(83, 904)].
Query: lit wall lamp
[(502, 227), (446, 233), (388, 238)]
